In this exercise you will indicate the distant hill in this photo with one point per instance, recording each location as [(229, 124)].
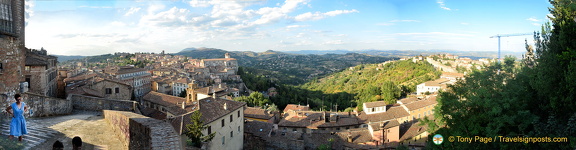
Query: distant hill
[(407, 53), (64, 58), (288, 68)]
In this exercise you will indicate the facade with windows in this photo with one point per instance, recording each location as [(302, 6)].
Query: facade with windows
[(138, 78), (41, 72), (12, 50)]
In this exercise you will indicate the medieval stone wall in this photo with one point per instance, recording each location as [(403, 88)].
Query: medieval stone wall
[(141, 132), (81, 102)]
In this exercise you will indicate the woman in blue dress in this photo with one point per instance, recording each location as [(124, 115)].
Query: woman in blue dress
[(18, 124)]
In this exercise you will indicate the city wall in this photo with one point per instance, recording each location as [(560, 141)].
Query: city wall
[(141, 132), (81, 102)]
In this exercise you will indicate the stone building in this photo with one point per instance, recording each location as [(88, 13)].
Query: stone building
[(179, 86), (95, 85), (138, 78), (223, 117), (41, 72), (12, 49)]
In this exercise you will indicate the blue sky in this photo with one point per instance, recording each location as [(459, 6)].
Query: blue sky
[(93, 27)]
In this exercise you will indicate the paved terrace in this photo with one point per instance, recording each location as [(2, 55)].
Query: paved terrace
[(95, 132)]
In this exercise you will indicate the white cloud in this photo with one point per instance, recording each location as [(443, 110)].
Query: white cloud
[(117, 24), (28, 10), (442, 5), (334, 42), (132, 10), (199, 3), (296, 26), (533, 19), (536, 24), (465, 23), (317, 15)]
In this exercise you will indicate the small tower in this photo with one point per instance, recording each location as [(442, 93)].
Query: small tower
[(227, 55), (190, 94)]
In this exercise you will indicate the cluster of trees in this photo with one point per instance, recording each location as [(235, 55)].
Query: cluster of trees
[(348, 88), (375, 82), (533, 99), (255, 99)]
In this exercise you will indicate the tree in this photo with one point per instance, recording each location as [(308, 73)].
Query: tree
[(183, 94), (255, 99), (390, 92), (537, 100), (195, 129)]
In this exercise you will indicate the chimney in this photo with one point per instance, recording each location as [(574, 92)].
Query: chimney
[(220, 85), (184, 105), (225, 107)]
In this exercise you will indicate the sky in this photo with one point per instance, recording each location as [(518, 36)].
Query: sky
[(94, 27)]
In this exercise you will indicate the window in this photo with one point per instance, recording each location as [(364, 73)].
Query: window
[(108, 91), (117, 90), (223, 122), (231, 133), (230, 118), (223, 140), (209, 129), (27, 68), (238, 128), (238, 114), (6, 17)]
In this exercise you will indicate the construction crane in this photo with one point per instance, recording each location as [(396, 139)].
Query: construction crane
[(507, 35)]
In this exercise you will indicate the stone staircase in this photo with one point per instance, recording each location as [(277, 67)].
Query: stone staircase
[(44, 131), (38, 133)]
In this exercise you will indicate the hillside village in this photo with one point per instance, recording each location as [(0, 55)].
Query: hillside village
[(209, 85), (148, 105)]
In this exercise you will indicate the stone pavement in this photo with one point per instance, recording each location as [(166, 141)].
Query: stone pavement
[(43, 132)]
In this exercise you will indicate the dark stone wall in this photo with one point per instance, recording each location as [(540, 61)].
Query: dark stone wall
[(81, 102), (141, 132)]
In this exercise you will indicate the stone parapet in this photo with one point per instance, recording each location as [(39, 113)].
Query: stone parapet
[(141, 132)]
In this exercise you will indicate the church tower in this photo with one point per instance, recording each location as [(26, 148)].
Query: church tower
[(191, 96)]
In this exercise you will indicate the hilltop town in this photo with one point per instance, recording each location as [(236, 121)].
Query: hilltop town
[(148, 101)]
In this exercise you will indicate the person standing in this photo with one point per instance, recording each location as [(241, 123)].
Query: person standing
[(18, 124)]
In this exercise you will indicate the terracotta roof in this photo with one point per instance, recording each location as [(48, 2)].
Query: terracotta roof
[(413, 130), (452, 74), (315, 119), (361, 136), (375, 104), (421, 103), (391, 113), (438, 82), (123, 70), (153, 113), (84, 91), (211, 109), (408, 100), (258, 128), (257, 113), (31, 61), (390, 124), (295, 107), (163, 99)]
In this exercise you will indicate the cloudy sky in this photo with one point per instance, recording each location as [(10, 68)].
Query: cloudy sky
[(93, 27)]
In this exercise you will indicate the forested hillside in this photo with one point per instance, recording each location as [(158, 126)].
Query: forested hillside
[(374, 82), (287, 68)]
